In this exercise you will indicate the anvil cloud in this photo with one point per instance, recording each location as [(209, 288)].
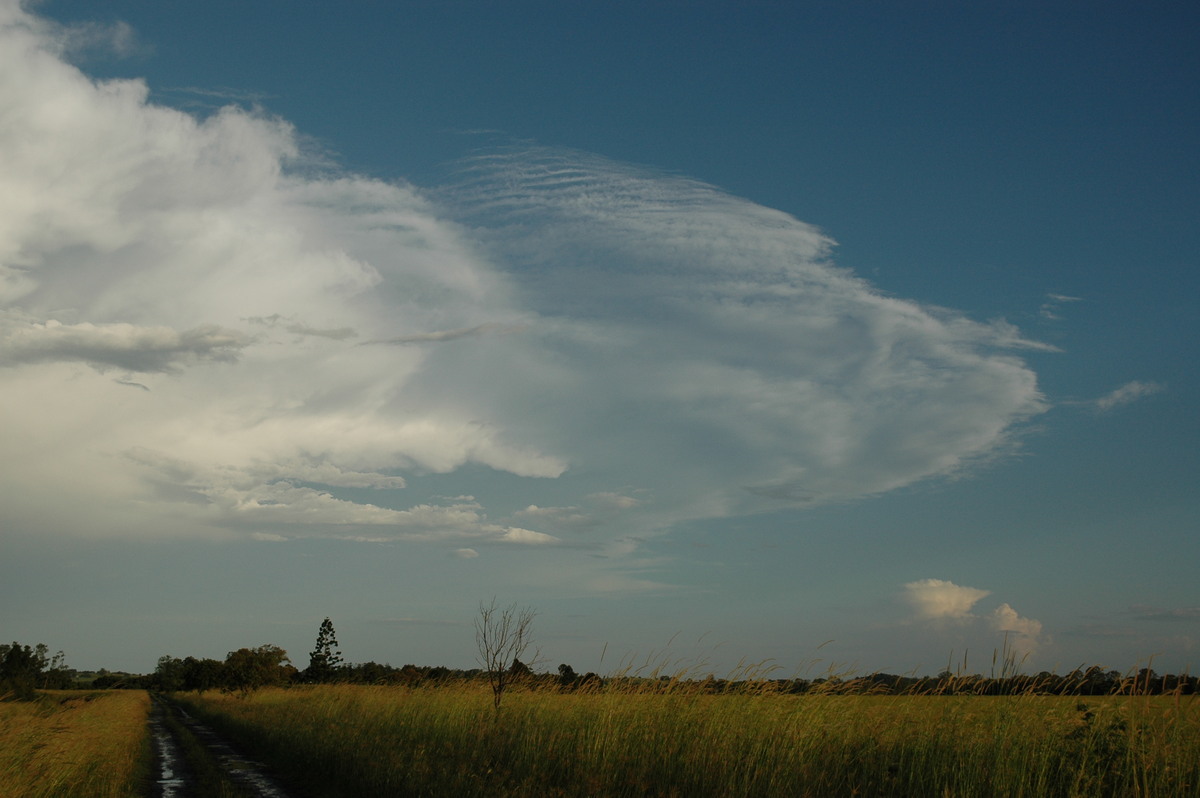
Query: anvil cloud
[(206, 331)]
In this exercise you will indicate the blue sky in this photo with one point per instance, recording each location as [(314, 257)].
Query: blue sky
[(837, 335)]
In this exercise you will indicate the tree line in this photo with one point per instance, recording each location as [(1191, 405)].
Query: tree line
[(503, 636)]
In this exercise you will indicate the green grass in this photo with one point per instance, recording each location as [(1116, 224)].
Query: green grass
[(81, 744), (392, 741)]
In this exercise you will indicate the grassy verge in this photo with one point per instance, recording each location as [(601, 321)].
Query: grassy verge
[(83, 744), (364, 741)]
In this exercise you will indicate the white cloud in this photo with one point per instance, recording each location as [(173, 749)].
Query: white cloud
[(465, 554), (723, 348), (1026, 632), (1128, 393), (938, 598), (660, 349), (527, 536), (554, 516)]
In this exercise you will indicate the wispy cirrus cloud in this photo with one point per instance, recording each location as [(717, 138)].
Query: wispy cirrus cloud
[(1127, 394), (1050, 309), (711, 323)]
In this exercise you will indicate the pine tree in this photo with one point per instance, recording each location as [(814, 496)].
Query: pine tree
[(325, 660)]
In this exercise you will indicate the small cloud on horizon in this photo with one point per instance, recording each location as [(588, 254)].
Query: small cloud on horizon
[(1027, 632), (938, 600)]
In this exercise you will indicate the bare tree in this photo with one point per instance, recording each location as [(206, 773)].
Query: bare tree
[(502, 634)]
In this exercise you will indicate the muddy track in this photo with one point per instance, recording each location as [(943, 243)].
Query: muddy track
[(193, 761)]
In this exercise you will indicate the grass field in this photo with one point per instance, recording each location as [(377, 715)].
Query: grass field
[(82, 744), (385, 741)]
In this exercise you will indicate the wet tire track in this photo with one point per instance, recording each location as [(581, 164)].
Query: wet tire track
[(173, 775), (179, 740)]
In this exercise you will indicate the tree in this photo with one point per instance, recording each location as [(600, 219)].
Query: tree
[(501, 636), (201, 674), (168, 674), (24, 669), (19, 669), (248, 669), (325, 661)]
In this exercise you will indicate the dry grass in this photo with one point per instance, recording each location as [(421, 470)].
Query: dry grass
[(81, 744), (362, 741)]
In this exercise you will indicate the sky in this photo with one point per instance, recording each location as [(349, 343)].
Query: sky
[(823, 337)]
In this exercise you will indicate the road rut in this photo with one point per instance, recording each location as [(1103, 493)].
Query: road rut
[(180, 740)]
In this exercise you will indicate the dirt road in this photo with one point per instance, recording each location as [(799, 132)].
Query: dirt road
[(194, 762)]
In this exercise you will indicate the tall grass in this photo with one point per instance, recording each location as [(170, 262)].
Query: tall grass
[(75, 743), (392, 741)]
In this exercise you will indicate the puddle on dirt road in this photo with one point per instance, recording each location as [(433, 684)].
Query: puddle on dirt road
[(172, 781), (175, 782)]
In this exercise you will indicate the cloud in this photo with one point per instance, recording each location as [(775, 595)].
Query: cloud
[(1144, 612), (718, 331), (1128, 393), (1026, 632), (935, 599), (268, 537), (124, 346), (297, 328), (560, 517), (526, 536), (1049, 308), (939, 600), (610, 500), (601, 508), (79, 41), (682, 353), (450, 335), (465, 554)]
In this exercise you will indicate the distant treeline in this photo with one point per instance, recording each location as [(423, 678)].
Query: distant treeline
[(248, 669), (191, 674), (24, 669), (1093, 680)]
